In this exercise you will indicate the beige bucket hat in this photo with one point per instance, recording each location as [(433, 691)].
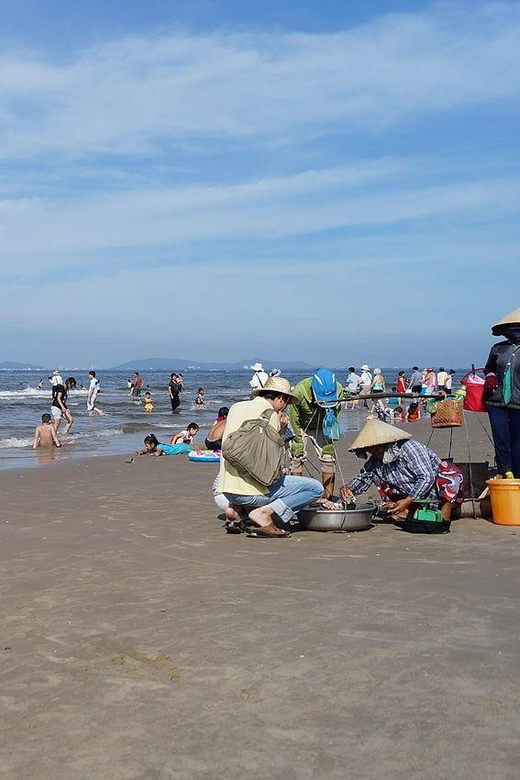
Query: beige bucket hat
[(377, 432), (513, 318), (257, 367), (277, 384)]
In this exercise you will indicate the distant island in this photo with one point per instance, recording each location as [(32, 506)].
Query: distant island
[(178, 364), (8, 365)]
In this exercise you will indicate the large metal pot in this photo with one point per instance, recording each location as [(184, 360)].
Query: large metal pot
[(313, 518)]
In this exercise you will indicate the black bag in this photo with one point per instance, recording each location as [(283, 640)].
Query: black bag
[(424, 527), (256, 450)]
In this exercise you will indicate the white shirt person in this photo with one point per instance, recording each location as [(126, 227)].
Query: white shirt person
[(259, 378), (93, 390)]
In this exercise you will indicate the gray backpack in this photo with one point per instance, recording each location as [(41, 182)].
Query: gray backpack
[(256, 450)]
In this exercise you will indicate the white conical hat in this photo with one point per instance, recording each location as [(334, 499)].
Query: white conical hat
[(377, 432), (513, 318)]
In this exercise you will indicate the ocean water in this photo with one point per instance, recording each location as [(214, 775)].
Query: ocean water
[(124, 425)]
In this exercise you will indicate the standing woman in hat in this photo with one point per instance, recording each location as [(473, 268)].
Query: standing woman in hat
[(404, 471), (503, 394), (259, 378)]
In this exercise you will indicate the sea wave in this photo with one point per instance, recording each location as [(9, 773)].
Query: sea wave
[(18, 442), (27, 392), (15, 442), (33, 392), (100, 432), (135, 427)]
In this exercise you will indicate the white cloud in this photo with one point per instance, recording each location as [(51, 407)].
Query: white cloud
[(374, 194), (140, 95)]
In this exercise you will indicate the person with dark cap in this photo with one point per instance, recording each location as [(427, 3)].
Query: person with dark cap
[(314, 418), (502, 393)]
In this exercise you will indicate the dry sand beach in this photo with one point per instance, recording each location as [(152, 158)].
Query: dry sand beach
[(140, 642)]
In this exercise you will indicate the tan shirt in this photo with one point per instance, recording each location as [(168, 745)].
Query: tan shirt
[(230, 481)]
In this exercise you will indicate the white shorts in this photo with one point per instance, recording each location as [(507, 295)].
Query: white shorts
[(56, 412), (91, 404)]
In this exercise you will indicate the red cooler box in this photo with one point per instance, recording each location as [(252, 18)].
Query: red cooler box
[(474, 384)]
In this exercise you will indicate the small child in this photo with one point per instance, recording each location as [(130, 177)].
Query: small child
[(45, 434), (199, 401), (187, 436), (152, 446), (148, 402)]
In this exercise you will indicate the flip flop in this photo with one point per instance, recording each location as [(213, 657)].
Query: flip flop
[(233, 528), (259, 534)]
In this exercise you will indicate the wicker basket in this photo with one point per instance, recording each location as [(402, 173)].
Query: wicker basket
[(448, 414)]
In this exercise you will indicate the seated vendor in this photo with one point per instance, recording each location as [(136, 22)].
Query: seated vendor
[(404, 472)]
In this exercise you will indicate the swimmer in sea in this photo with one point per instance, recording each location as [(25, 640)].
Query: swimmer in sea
[(45, 435)]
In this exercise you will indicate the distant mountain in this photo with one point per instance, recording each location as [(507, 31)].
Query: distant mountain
[(178, 364), (8, 365)]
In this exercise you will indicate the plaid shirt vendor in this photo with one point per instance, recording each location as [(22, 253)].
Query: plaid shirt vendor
[(404, 472)]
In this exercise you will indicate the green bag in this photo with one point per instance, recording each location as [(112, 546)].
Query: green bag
[(256, 450)]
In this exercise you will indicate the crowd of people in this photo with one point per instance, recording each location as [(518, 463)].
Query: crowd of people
[(275, 431), (47, 433), (426, 381), (406, 473)]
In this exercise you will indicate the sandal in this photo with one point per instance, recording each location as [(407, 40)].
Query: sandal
[(258, 533), (234, 528)]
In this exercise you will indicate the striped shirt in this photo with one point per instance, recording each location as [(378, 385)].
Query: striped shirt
[(412, 473)]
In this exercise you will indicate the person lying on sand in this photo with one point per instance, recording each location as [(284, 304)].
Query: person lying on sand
[(152, 446)]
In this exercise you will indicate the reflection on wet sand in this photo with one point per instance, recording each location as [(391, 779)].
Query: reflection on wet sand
[(46, 454)]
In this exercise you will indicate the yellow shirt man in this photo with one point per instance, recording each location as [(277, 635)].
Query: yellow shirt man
[(230, 481)]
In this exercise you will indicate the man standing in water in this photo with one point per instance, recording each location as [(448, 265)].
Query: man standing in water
[(93, 390), (174, 390), (136, 387)]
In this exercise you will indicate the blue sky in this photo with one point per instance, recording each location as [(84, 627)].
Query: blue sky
[(215, 179)]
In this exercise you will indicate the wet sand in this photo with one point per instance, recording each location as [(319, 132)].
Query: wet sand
[(140, 642)]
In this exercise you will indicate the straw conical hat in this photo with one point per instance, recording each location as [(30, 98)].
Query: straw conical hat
[(512, 319), (377, 432)]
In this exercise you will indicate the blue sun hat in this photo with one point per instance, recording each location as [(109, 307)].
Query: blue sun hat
[(324, 388)]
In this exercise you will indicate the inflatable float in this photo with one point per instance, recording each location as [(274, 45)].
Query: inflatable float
[(205, 456)]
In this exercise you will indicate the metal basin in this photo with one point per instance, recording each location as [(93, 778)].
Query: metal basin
[(313, 518)]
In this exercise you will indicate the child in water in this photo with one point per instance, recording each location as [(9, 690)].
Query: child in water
[(187, 436), (148, 402), (199, 401), (152, 446), (45, 434)]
